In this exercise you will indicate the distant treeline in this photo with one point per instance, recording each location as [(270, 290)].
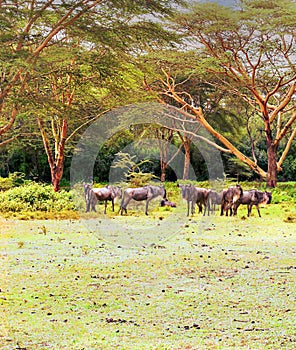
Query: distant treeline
[(31, 160)]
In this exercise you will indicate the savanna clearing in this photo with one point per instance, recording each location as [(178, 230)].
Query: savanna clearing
[(228, 283)]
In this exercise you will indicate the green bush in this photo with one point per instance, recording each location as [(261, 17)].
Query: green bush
[(5, 183), (13, 180), (284, 192), (35, 197)]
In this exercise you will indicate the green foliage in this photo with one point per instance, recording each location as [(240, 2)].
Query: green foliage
[(5, 183), (289, 166), (132, 170), (13, 180), (284, 192), (35, 197)]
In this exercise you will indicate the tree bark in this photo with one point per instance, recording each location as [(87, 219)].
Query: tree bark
[(271, 180), (56, 162), (272, 171), (186, 145), (162, 176)]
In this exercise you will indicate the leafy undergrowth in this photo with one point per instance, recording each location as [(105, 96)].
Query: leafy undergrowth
[(217, 283)]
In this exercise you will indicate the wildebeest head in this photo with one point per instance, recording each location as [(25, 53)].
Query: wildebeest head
[(237, 193), (87, 188), (184, 191), (166, 202), (267, 197)]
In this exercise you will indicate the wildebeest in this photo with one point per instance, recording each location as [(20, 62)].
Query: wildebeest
[(213, 198), (229, 199), (202, 196), (254, 197), (146, 193), (93, 195), (194, 195), (166, 203), (87, 193), (188, 193)]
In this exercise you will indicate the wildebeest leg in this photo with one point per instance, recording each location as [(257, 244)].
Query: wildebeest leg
[(105, 210), (188, 206), (121, 209), (124, 204), (234, 210), (206, 207), (112, 201), (93, 201), (147, 203), (222, 209), (199, 208), (258, 210), (249, 209), (87, 206), (192, 207), (226, 208)]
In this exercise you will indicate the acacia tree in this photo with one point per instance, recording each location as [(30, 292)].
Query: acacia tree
[(251, 52), (105, 31), (27, 29)]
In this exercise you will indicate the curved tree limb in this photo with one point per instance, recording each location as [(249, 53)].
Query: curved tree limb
[(286, 150)]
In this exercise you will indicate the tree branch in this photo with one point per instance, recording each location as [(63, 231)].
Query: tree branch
[(285, 129), (286, 150)]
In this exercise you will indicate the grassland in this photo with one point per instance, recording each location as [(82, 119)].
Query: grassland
[(219, 283)]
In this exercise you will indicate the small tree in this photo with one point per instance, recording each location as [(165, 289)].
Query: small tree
[(132, 170)]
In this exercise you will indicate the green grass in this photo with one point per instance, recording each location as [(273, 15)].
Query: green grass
[(225, 283)]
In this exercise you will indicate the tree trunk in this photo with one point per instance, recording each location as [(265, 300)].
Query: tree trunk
[(271, 180), (58, 167), (56, 162), (56, 177), (186, 145), (162, 176), (271, 176)]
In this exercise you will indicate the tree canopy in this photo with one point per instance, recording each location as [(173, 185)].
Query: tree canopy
[(250, 51), (61, 59)]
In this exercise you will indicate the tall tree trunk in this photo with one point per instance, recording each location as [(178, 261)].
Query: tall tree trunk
[(163, 168), (56, 177), (60, 157), (56, 162), (186, 146), (271, 178), (164, 137)]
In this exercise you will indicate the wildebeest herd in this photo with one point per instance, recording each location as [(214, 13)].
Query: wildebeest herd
[(206, 199)]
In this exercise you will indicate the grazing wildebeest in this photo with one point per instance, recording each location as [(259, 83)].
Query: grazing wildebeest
[(146, 193), (214, 198), (254, 197), (166, 203), (194, 195), (229, 199), (87, 195), (189, 193), (93, 195), (202, 196)]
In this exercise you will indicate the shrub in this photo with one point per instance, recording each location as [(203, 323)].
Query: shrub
[(35, 197), (13, 180)]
